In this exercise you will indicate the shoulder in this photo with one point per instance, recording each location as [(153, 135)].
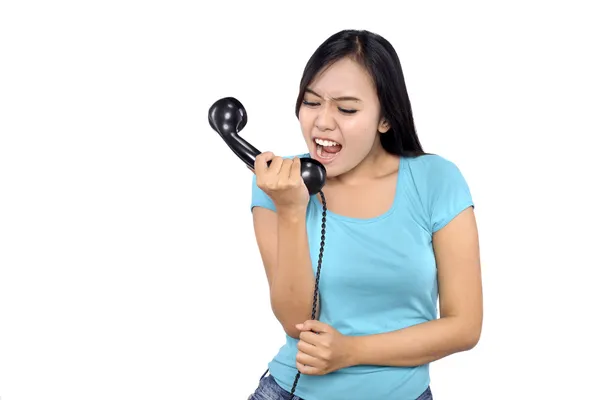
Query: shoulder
[(432, 172), (441, 187), (432, 166)]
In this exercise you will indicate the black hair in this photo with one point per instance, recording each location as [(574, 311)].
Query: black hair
[(381, 61)]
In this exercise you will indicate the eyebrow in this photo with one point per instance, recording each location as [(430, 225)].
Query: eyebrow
[(343, 98)]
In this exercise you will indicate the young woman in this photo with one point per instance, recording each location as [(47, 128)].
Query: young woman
[(399, 233)]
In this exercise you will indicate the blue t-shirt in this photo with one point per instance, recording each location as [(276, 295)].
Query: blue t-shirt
[(378, 275)]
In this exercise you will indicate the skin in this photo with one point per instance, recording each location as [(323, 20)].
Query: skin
[(361, 184)]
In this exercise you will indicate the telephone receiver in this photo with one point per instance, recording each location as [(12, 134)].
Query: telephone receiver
[(228, 117)]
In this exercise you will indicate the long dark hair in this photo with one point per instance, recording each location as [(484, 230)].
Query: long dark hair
[(381, 61)]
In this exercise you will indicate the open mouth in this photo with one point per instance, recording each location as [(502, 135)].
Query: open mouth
[(327, 150)]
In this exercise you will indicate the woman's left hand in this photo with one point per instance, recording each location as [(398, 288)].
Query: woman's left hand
[(322, 349)]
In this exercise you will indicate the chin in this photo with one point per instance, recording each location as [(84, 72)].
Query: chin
[(333, 170)]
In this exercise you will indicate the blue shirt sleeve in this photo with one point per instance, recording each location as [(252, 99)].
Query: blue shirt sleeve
[(259, 197), (449, 193)]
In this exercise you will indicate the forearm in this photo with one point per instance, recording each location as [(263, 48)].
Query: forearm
[(415, 345), (293, 280)]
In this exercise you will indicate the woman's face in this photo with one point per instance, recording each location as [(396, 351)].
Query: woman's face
[(340, 117)]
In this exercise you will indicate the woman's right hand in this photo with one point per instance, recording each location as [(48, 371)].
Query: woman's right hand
[(282, 181)]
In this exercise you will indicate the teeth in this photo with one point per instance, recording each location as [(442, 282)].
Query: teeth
[(326, 142)]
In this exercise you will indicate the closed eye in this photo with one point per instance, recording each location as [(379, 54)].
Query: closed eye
[(313, 104)]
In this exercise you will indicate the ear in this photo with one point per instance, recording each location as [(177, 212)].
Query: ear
[(384, 126)]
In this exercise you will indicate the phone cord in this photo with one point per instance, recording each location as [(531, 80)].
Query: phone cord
[(316, 291)]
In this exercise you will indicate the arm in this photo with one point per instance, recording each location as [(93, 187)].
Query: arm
[(283, 245), (456, 248)]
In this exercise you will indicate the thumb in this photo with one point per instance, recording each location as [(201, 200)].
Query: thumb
[(313, 325)]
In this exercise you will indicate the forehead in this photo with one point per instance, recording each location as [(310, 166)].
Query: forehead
[(344, 77)]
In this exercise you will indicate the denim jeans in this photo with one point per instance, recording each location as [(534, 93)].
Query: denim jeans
[(268, 389)]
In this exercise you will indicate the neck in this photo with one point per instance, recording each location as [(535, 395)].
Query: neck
[(377, 164)]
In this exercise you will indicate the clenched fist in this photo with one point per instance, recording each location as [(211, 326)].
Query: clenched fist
[(282, 181), (322, 349)]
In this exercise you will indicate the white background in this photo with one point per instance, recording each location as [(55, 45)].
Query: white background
[(110, 176)]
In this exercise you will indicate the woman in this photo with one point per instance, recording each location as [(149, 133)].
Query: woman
[(399, 232)]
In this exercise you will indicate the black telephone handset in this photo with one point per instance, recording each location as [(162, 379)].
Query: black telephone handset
[(227, 116)]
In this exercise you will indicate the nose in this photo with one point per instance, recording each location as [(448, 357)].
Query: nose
[(325, 120)]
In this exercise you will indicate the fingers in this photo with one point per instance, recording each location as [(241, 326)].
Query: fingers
[(276, 165), (307, 348), (310, 338), (260, 163), (308, 364), (313, 325), (308, 370), (275, 172), (295, 172), (284, 172)]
